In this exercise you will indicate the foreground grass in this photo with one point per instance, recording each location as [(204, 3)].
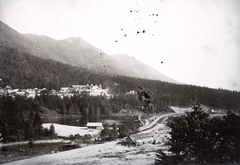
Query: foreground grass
[(108, 153), (17, 152), (25, 151)]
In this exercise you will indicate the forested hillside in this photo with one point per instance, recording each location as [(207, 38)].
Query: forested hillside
[(22, 70), (76, 51)]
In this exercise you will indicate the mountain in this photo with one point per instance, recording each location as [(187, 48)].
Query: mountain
[(141, 69), (77, 52)]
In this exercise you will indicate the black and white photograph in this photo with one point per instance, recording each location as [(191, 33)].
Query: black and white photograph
[(119, 82)]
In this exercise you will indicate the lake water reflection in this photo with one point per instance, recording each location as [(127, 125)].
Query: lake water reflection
[(82, 121)]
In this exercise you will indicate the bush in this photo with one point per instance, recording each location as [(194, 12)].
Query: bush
[(49, 132), (87, 138), (52, 132), (67, 147), (30, 143)]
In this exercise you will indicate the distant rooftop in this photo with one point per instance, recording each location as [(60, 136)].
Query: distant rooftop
[(94, 124), (78, 86)]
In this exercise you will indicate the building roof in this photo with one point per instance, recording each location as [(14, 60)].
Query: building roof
[(79, 86), (15, 90), (94, 124)]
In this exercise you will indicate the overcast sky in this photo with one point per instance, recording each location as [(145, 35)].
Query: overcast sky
[(193, 41)]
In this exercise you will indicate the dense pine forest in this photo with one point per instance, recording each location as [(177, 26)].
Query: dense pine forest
[(20, 120)]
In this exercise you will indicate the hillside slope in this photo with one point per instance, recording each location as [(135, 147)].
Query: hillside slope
[(75, 52), (141, 69)]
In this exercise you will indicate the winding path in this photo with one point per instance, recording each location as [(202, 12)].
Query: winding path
[(154, 125)]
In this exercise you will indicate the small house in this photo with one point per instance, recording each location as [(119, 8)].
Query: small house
[(2, 92), (95, 125), (30, 93), (64, 90), (53, 92), (98, 92), (7, 89), (79, 88), (21, 92), (133, 92)]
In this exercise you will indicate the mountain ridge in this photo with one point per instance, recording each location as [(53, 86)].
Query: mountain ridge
[(77, 52), (148, 71)]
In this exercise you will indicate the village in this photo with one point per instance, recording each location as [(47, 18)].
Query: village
[(91, 90)]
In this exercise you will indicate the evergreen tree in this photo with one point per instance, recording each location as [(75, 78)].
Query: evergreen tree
[(230, 130), (52, 132), (37, 125), (113, 134), (195, 138), (124, 131), (87, 138), (145, 97)]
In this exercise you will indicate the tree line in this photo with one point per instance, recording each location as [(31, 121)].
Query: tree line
[(20, 120), (85, 105)]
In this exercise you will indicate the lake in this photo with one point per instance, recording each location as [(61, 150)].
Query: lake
[(82, 121)]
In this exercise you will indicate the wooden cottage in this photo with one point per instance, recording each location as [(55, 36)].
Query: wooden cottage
[(95, 125)]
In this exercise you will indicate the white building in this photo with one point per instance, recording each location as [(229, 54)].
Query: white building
[(79, 88), (94, 125), (30, 93), (63, 90), (133, 92), (98, 92)]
